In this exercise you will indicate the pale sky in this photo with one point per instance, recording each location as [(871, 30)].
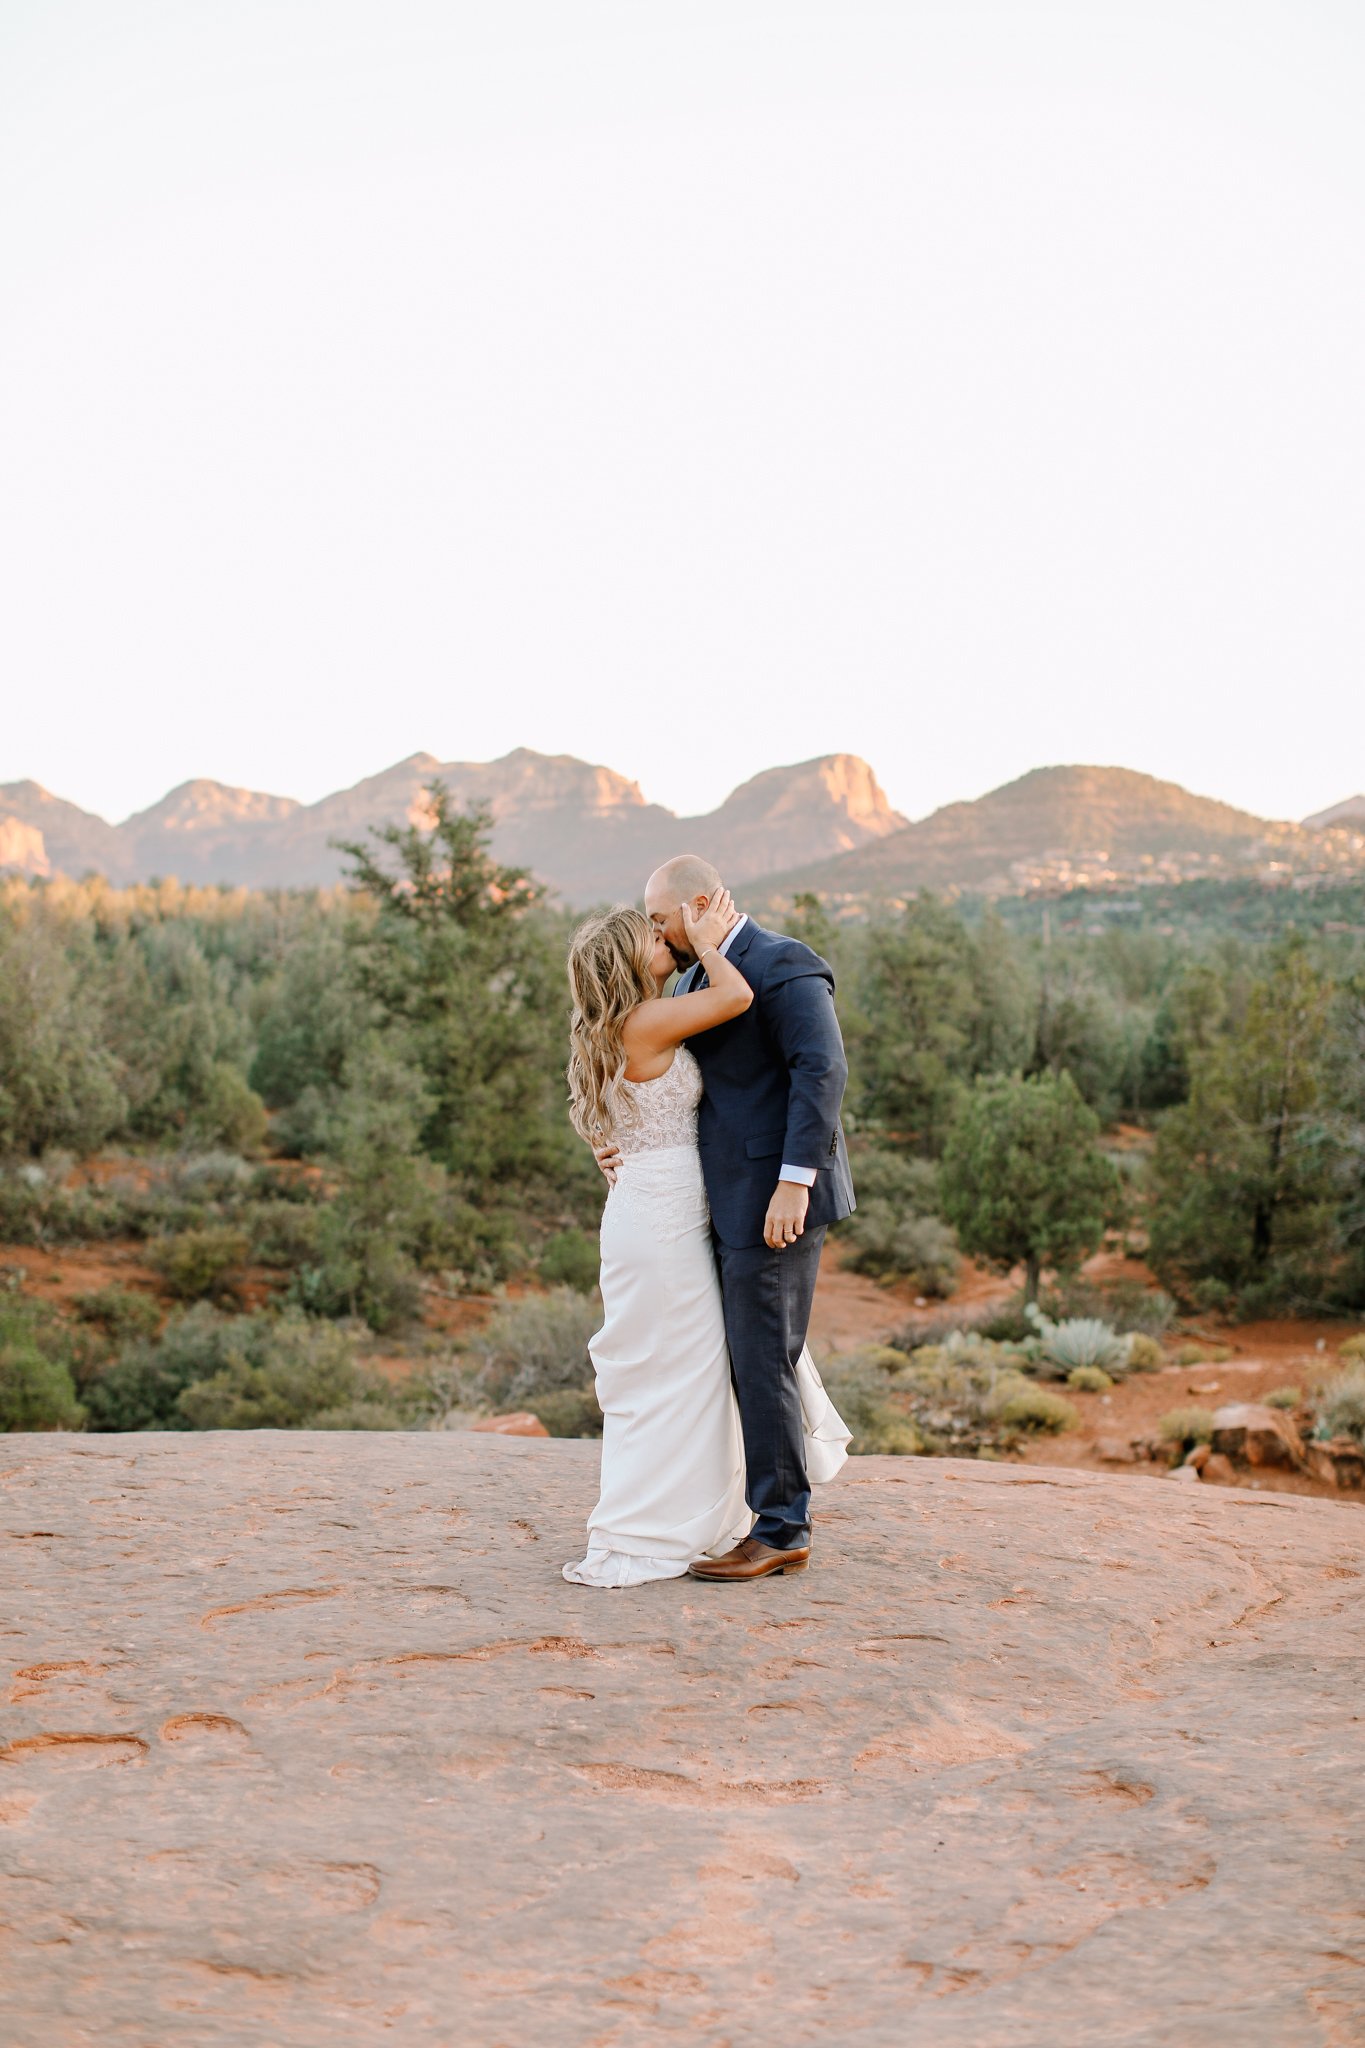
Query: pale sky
[(967, 384)]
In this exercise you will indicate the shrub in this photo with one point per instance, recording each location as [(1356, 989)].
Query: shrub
[(1088, 1379), (140, 1388), (573, 1411), (858, 1383), (571, 1258), (282, 1233), (359, 1414), (536, 1346), (909, 1184), (209, 1176), (1211, 1296), (1202, 1354), (889, 1245), (198, 1263), (1186, 1426), (120, 1312), (1284, 1397), (1030, 1407), (1144, 1353), (36, 1387), (1126, 1305), (230, 1110), (288, 1372), (1352, 1347), (1341, 1405)]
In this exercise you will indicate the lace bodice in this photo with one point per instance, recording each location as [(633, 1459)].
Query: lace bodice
[(663, 1111)]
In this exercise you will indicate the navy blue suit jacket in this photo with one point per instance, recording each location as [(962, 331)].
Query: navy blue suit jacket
[(774, 1080)]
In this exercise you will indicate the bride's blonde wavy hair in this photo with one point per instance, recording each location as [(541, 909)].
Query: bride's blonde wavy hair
[(609, 976)]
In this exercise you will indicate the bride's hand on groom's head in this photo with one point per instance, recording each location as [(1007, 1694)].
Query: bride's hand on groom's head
[(715, 921)]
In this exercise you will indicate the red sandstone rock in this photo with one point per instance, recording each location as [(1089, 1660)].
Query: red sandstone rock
[(1218, 1469), (1199, 1457), (1256, 1435), (307, 1744), (1341, 1462), (1113, 1450), (519, 1424)]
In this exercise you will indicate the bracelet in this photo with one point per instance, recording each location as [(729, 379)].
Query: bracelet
[(705, 950)]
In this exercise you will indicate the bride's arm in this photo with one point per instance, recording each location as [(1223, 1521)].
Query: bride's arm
[(657, 1026)]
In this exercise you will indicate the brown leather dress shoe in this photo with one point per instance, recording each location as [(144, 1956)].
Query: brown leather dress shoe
[(750, 1560)]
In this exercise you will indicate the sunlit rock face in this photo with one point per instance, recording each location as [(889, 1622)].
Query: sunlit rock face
[(22, 849), (306, 1738)]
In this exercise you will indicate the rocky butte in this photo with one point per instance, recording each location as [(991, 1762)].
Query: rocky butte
[(306, 1741)]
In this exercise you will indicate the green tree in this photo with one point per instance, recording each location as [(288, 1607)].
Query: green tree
[(462, 964), (58, 1079), (390, 1199), (1247, 1171), (1023, 1178), (910, 1026)]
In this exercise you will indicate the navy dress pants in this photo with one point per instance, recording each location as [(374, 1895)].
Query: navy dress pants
[(767, 1296)]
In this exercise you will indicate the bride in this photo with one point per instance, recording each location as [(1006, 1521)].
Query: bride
[(672, 1482)]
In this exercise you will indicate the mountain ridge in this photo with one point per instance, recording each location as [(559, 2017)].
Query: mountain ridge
[(591, 834), (586, 830)]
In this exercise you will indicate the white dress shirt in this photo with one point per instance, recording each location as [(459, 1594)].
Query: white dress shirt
[(803, 1175)]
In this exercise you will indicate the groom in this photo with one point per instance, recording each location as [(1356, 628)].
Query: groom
[(776, 1170)]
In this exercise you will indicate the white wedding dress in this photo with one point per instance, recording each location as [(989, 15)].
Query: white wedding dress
[(672, 1485)]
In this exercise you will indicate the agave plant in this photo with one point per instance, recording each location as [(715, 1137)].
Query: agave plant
[(1079, 1341)]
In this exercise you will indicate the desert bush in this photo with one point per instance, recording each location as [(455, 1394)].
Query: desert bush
[(1202, 1354), (571, 1258), (202, 1177), (1352, 1347), (858, 1383), (120, 1312), (957, 1394), (198, 1263), (1144, 1353), (36, 1387), (1126, 1305), (139, 1389), (1028, 1407), (888, 1245), (1186, 1426), (573, 1411), (1284, 1397), (907, 1183), (536, 1346), (288, 1372), (282, 1233), (1088, 1379), (357, 1414), (1341, 1405), (1211, 1296), (229, 1110)]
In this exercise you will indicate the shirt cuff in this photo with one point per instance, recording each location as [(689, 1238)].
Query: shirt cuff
[(804, 1174)]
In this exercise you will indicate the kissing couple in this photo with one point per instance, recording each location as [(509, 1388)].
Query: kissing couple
[(714, 1115)]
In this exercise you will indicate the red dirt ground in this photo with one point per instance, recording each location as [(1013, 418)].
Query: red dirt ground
[(849, 1310)]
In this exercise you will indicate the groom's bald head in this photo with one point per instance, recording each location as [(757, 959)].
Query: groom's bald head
[(687, 878)]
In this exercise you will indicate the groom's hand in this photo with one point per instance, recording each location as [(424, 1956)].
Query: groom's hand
[(786, 1217), (608, 1158)]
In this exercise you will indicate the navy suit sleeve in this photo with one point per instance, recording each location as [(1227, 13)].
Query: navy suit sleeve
[(798, 1009)]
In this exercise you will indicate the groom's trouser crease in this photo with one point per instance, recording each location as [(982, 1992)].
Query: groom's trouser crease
[(768, 1296)]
